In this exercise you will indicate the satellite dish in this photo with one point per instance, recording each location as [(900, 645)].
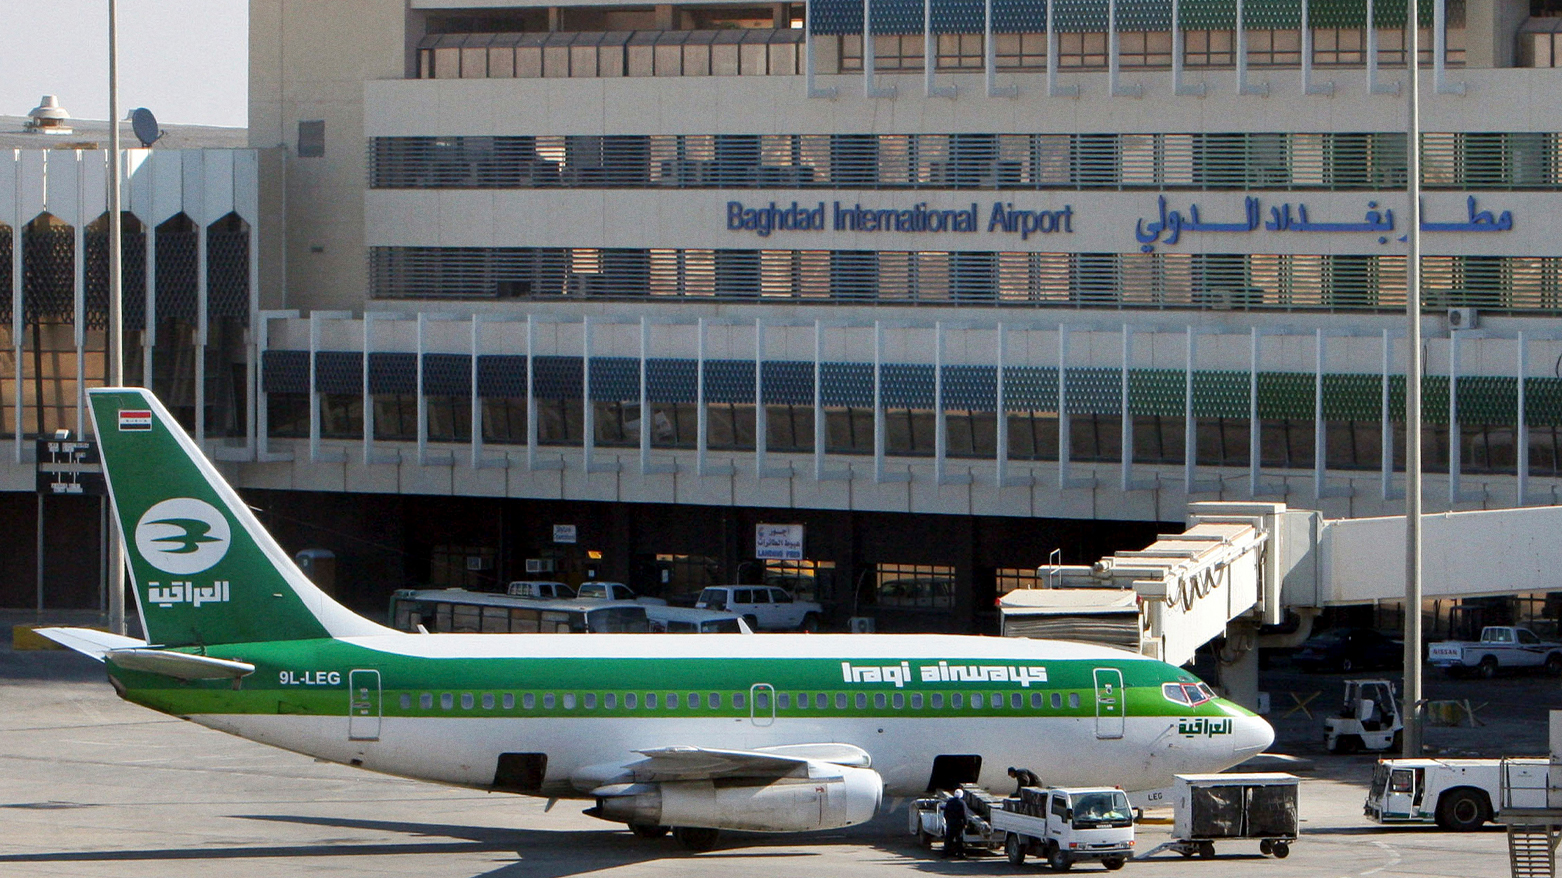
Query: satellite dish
[(145, 125)]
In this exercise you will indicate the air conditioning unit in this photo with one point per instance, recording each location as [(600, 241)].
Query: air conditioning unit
[(1463, 318), (539, 565), (479, 562), (862, 625)]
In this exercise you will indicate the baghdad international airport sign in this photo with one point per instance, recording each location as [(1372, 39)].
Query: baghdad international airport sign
[(1003, 217)]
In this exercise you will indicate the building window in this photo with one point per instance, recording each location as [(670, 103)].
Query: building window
[(912, 586), (311, 139)]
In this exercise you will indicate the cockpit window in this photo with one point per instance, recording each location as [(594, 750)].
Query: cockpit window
[(1187, 693)]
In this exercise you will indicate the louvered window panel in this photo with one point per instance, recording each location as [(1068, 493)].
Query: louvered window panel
[(1080, 16), (1030, 388), (48, 274), (393, 372), (1215, 14), (6, 244), (1143, 15), (971, 387), (177, 294), (787, 383), (669, 380), (906, 385), (959, 16), (1542, 401), (501, 376), (339, 372), (1157, 392), (835, 16), (849, 384), (1094, 391), (1019, 16), (897, 16), (1285, 395), (1488, 399), (729, 381), (614, 379), (1352, 397), (227, 274), (557, 377), (447, 374), (284, 371), (1220, 394)]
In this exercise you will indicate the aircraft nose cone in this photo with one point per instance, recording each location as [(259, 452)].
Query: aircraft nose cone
[(1252, 736)]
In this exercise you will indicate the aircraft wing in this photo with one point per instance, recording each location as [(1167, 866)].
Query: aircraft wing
[(686, 763), (89, 641)]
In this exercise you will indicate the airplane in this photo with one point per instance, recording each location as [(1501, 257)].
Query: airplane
[(775, 733)]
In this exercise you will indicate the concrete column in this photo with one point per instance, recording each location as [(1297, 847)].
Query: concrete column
[(1239, 679)]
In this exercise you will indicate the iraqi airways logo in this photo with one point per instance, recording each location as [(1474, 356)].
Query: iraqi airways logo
[(182, 536)]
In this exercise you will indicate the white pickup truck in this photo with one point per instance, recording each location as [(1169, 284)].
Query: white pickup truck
[(1067, 826), (1501, 647)]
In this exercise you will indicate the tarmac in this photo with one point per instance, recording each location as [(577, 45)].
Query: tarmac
[(94, 786)]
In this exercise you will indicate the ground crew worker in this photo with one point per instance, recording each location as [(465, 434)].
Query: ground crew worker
[(954, 826), (1023, 777)]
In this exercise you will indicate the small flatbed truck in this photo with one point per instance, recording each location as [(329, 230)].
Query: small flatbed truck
[(1067, 826)]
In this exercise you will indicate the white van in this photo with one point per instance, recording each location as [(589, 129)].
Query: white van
[(687, 620)]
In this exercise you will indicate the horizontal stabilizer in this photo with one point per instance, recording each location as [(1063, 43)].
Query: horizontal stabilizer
[(179, 665), (89, 641)]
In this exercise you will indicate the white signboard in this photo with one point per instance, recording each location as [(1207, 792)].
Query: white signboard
[(778, 542), (564, 533)]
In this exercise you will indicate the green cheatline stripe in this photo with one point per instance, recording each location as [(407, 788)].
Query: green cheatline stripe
[(413, 677)]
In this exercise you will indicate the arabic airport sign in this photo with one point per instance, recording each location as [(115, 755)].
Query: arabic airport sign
[(1168, 226), (778, 542), (564, 533)]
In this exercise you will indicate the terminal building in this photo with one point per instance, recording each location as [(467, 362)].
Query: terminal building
[(937, 292)]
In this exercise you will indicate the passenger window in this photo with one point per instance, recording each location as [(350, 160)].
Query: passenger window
[(840, 701), (938, 700), (743, 596), (426, 701), (916, 701), (610, 701), (467, 701), (569, 701), (862, 700), (528, 701), (879, 701), (509, 701), (548, 701), (780, 596), (1527, 636), (1016, 700), (447, 701), (899, 701), (957, 699), (589, 700), (738, 700), (1073, 699), (650, 701), (715, 701), (406, 702), (488, 701), (1057, 701), (694, 700), (761, 595), (821, 701), (1036, 700), (976, 700), (672, 701), (631, 701), (784, 700)]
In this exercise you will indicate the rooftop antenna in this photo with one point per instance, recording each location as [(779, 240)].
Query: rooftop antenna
[(144, 124)]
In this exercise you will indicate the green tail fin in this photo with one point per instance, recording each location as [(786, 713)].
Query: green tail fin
[(205, 570)]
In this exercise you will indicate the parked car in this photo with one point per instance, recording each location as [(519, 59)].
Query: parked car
[(1350, 649), (687, 620), (763, 607), (542, 589), (612, 591)]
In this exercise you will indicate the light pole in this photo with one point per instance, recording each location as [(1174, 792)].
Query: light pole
[(116, 325), (1412, 694)]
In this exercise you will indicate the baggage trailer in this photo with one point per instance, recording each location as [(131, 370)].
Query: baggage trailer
[(1220, 807), (1067, 826), (926, 818)]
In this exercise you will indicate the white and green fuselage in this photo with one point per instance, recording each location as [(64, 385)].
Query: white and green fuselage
[(778, 732)]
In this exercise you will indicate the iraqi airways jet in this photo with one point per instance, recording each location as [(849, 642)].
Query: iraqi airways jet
[(776, 732)]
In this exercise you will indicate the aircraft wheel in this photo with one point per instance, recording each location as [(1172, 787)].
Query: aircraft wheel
[(647, 830), (1015, 849), (696, 838)]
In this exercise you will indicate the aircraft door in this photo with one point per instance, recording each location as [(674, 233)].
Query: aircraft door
[(762, 704), (1111, 704), (363, 705)]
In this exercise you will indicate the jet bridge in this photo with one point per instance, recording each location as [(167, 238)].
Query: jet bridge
[(1242, 565)]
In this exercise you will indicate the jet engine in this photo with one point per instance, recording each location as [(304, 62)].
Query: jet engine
[(832, 796)]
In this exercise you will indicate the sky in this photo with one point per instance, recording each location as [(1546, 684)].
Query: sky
[(185, 60)]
